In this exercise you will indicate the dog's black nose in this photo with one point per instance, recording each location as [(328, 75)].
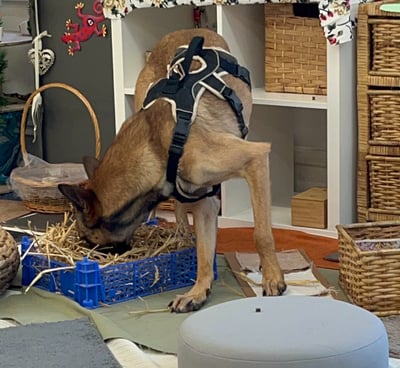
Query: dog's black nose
[(120, 248)]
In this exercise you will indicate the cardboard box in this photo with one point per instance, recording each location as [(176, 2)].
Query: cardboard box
[(309, 208)]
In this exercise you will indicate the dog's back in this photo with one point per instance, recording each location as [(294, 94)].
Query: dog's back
[(210, 108), (163, 53)]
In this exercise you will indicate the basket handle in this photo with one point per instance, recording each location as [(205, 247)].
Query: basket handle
[(76, 93)]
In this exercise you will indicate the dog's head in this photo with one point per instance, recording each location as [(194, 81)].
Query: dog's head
[(93, 225)]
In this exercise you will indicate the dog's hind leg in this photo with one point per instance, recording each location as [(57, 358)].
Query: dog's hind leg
[(181, 214), (205, 215)]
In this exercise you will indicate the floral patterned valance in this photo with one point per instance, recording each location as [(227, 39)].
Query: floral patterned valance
[(337, 16)]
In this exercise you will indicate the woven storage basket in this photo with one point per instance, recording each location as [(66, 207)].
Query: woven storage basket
[(378, 101), (384, 187), (168, 205), (9, 260), (38, 186), (382, 125), (378, 41), (295, 52), (370, 278)]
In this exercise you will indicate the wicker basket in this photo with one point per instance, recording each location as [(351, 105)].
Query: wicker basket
[(38, 186), (384, 188), (295, 52), (383, 122), (370, 278), (168, 205), (378, 52), (9, 260), (378, 194)]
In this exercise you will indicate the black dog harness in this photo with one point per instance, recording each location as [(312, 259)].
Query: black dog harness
[(183, 89)]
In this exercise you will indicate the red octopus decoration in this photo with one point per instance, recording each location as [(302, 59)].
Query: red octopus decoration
[(84, 31)]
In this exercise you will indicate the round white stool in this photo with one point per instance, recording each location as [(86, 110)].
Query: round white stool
[(284, 332)]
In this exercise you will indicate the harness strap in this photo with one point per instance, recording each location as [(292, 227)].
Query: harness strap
[(175, 82), (212, 83), (185, 89), (179, 138), (233, 68)]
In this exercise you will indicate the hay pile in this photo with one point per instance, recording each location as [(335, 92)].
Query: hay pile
[(61, 243)]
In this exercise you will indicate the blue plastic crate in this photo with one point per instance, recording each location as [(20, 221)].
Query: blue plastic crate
[(90, 285)]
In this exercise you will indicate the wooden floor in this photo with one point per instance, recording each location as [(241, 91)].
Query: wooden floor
[(316, 247)]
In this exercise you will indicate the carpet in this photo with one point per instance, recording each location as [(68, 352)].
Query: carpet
[(317, 247), (144, 321), (392, 325), (65, 344), (132, 320)]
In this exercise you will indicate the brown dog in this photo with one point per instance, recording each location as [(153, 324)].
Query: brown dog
[(131, 178)]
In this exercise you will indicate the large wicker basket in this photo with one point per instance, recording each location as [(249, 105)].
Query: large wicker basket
[(295, 52), (371, 277), (9, 260), (38, 186)]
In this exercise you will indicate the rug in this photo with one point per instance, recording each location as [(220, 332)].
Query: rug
[(145, 321), (65, 344), (392, 325), (240, 239)]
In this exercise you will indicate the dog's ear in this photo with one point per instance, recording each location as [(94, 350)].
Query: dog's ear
[(80, 197), (90, 164), (85, 201)]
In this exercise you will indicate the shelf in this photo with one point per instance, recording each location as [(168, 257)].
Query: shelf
[(288, 121), (260, 97), (129, 91), (281, 219), (14, 38)]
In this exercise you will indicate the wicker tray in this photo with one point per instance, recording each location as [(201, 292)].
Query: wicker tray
[(38, 186), (370, 278), (295, 52), (9, 259)]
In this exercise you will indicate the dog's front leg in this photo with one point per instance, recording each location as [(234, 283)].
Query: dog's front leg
[(205, 214), (257, 174)]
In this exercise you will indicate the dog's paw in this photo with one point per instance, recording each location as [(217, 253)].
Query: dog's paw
[(274, 287), (188, 302)]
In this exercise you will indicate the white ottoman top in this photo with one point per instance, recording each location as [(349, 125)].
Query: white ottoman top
[(292, 331)]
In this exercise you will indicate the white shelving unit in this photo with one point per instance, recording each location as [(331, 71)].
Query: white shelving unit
[(273, 113)]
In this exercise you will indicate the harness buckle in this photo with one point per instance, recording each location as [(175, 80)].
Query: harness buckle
[(181, 132)]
